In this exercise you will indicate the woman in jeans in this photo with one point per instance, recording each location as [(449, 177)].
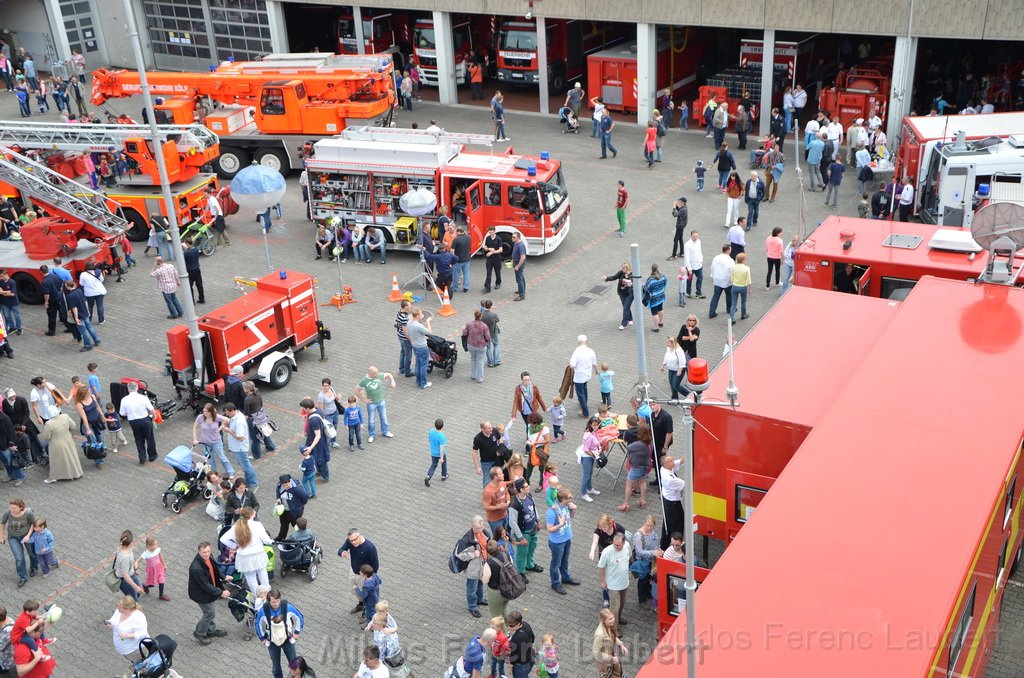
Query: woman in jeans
[(624, 276), (591, 450), (645, 547), (476, 336), (91, 418), (675, 364), (327, 403), (124, 566), (206, 431)]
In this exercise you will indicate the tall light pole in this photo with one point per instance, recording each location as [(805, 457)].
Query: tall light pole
[(195, 337)]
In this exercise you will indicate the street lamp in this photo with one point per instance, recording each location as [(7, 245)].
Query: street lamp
[(259, 188)]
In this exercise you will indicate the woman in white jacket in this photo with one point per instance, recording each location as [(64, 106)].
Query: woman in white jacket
[(247, 537)]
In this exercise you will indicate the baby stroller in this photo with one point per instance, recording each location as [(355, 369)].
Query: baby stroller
[(189, 478), (157, 655), (442, 354), (303, 555), (572, 125), (242, 605)]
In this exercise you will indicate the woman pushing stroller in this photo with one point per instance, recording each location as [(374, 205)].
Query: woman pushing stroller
[(247, 537)]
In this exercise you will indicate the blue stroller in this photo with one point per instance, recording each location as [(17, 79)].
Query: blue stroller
[(189, 478), (567, 117)]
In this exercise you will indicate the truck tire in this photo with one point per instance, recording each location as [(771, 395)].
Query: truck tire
[(274, 159), (30, 292), (281, 374), (230, 162), (139, 229), (506, 245), (557, 83)]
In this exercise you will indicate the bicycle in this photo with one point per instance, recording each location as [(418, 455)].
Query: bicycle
[(201, 234)]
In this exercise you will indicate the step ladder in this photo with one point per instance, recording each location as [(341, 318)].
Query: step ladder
[(99, 138), (54, 190), (414, 136)]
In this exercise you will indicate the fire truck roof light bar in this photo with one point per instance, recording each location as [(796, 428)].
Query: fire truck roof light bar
[(73, 137)]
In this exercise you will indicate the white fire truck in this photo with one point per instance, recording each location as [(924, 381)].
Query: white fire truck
[(361, 175)]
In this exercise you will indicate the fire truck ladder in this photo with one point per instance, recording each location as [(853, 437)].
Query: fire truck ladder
[(414, 136), (53, 189), (74, 137)]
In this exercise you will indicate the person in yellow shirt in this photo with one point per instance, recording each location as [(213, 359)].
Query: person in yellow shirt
[(740, 287)]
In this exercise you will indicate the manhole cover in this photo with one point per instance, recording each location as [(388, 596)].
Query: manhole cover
[(600, 289), (582, 301)]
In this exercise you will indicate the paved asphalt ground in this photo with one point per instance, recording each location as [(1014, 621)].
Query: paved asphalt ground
[(380, 490)]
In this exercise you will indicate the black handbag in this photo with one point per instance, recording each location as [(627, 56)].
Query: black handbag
[(395, 660), (602, 460), (17, 461)]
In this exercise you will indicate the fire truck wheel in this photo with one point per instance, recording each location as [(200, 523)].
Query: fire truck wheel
[(281, 374), (557, 79), (139, 230), (274, 160), (230, 162), (30, 292), (506, 246)]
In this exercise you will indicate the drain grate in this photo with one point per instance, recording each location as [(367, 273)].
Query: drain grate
[(600, 289), (582, 301)]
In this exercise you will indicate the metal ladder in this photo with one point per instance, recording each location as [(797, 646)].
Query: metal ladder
[(414, 136), (99, 138), (53, 189)]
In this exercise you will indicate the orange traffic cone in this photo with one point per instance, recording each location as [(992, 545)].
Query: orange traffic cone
[(446, 305), (396, 293)]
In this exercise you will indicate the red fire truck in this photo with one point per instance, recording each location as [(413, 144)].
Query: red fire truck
[(383, 33), (260, 331), (858, 91), (885, 546), (361, 175), (612, 73), (739, 453), (569, 41), (883, 258), (473, 31)]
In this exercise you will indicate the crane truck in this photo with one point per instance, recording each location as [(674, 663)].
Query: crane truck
[(78, 226), (63, 148), (265, 110)]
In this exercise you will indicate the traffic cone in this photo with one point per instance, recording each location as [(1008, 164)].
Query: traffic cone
[(396, 293), (446, 305)]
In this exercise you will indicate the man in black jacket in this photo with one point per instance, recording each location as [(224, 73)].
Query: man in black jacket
[(205, 588), (520, 645), (881, 203), (777, 127), (195, 273), (53, 300), (681, 215), (234, 391)]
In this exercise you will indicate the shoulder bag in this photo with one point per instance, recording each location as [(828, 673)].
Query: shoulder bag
[(111, 579)]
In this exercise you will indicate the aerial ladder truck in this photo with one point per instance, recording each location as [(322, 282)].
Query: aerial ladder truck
[(266, 111), (76, 224), (187, 151)]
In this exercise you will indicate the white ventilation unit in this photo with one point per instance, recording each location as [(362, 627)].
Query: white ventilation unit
[(953, 240)]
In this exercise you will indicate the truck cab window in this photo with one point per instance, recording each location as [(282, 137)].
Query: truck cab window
[(272, 102), (846, 278), (516, 195), (492, 194)]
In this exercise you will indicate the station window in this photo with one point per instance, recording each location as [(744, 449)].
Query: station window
[(1010, 492), (960, 633), (272, 101), (492, 193), (747, 500)]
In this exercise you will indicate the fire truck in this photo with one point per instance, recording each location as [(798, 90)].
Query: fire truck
[(383, 33), (265, 110), (884, 259), (260, 331), (886, 545), (188, 149), (858, 91), (569, 41), (471, 32), (919, 157), (361, 175), (78, 225), (612, 73)]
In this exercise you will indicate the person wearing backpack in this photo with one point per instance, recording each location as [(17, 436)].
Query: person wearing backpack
[(504, 583), (472, 550), (522, 521), (278, 625)]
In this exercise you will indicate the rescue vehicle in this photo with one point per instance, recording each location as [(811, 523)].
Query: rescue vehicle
[(885, 259), (261, 332), (383, 33), (361, 175), (79, 227), (885, 546), (137, 193), (470, 32), (569, 41)]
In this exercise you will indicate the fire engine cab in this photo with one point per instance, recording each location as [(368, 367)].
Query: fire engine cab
[(883, 259), (260, 331), (361, 176)]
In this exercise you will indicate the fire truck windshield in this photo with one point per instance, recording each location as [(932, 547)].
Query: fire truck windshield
[(553, 193), (519, 40), (425, 38)]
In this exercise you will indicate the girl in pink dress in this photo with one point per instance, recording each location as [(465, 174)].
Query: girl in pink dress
[(155, 569)]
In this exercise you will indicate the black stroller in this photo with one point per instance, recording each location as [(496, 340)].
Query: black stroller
[(443, 354), (566, 116), (157, 657), (300, 555)]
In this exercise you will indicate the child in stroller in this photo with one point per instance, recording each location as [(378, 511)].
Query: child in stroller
[(189, 477), (443, 354), (157, 658), (301, 552), (566, 116)]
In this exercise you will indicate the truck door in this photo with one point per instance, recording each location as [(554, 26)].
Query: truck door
[(864, 284), (474, 213)]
